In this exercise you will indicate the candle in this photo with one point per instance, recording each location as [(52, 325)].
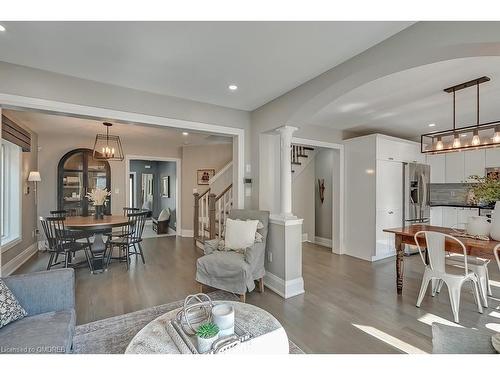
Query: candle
[(223, 317)]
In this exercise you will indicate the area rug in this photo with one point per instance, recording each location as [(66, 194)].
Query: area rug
[(112, 335)]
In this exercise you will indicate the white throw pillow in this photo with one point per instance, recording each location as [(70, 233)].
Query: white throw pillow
[(239, 234), (164, 214)]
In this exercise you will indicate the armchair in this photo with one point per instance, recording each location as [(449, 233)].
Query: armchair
[(233, 271)]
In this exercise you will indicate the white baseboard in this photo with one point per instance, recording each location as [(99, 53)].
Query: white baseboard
[(327, 242), (187, 233), (284, 289), (305, 237), (383, 256), (19, 259)]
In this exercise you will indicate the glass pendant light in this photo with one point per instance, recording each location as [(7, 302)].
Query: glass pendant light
[(456, 141), (439, 144), (496, 137), (475, 138)]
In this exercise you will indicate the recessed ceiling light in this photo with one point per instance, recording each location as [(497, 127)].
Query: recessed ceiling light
[(432, 125), (232, 87), (2, 28), (185, 133)]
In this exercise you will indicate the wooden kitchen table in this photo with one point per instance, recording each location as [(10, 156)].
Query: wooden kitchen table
[(406, 236), (96, 226)]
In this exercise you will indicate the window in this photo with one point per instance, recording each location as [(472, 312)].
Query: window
[(10, 190)]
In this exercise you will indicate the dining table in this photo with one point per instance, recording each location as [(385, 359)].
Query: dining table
[(96, 226), (406, 236)]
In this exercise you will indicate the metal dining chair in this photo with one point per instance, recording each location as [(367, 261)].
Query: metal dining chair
[(63, 242), (435, 270), (131, 239)]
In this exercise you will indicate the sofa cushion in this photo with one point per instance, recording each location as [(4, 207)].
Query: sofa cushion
[(10, 309), (50, 332), (457, 340)]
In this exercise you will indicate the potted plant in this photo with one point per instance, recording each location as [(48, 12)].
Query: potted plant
[(206, 335), (98, 196), (484, 191)]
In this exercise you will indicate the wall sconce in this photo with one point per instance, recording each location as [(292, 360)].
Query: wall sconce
[(34, 176)]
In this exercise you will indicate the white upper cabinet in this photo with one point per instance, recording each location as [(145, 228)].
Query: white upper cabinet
[(474, 163), (455, 164), (492, 157), (398, 150), (389, 185), (438, 167)]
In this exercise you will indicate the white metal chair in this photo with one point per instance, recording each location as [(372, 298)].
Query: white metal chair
[(479, 267), (436, 271)]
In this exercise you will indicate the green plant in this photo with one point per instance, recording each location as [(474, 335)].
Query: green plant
[(485, 189), (207, 330)]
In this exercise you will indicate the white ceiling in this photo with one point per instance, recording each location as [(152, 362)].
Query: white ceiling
[(55, 125), (193, 60), (403, 104)]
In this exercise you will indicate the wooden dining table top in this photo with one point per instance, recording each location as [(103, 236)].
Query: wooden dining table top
[(90, 222), (476, 247)]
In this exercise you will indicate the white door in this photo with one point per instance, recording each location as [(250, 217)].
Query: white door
[(437, 163), (437, 216), (450, 218), (492, 156)]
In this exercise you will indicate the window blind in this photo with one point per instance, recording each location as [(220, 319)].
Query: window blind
[(14, 133)]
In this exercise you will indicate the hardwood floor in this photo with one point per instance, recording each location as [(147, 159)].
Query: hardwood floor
[(350, 306)]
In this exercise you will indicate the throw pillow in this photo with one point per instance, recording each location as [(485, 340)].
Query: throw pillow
[(240, 234), (10, 309), (458, 340), (258, 237), (495, 341), (164, 214)]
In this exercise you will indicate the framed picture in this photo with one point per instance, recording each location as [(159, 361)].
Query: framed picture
[(204, 175), (165, 187)]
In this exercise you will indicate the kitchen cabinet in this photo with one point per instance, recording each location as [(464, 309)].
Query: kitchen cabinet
[(474, 163), (374, 193), (450, 217), (492, 157), (454, 165), (436, 216), (393, 149), (438, 167), (463, 215)]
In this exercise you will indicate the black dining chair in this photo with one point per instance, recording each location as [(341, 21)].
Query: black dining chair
[(63, 242), (131, 239), (78, 234)]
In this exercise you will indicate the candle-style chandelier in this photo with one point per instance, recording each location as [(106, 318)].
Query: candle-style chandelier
[(468, 137), (108, 147)]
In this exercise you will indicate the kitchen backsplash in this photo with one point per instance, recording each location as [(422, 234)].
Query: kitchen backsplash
[(449, 193)]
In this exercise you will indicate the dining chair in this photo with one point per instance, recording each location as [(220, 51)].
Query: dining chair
[(435, 269), (477, 265), (63, 242), (78, 234), (131, 239)]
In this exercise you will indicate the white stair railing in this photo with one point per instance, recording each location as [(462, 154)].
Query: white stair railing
[(223, 205)]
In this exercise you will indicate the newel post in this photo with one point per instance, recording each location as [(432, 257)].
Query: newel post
[(196, 216), (211, 215)]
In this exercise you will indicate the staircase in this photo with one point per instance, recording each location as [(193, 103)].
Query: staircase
[(300, 157), (210, 213)]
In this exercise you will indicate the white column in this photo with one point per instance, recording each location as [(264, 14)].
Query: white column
[(286, 133)]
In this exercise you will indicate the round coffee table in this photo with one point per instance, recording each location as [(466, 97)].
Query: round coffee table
[(268, 336)]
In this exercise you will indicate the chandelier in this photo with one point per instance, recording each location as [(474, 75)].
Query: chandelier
[(468, 137), (108, 147)]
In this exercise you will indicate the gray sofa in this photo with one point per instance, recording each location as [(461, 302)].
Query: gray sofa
[(232, 271), (49, 299)]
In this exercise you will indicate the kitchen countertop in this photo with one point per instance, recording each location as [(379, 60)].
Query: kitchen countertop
[(460, 205)]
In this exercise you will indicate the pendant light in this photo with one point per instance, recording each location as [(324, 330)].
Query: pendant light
[(108, 147), (474, 136)]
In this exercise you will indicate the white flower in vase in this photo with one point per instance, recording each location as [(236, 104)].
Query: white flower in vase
[(98, 196)]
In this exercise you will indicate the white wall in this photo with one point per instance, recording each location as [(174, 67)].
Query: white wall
[(303, 188), (324, 165)]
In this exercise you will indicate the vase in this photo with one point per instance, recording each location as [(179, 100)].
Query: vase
[(99, 212), (223, 317), (495, 222), (204, 345)]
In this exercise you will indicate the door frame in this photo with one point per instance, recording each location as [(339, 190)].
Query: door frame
[(18, 102), (134, 187), (340, 148), (178, 176)]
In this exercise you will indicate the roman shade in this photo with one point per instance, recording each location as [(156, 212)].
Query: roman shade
[(15, 134)]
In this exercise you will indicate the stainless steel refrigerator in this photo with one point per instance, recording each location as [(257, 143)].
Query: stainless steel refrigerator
[(416, 196)]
